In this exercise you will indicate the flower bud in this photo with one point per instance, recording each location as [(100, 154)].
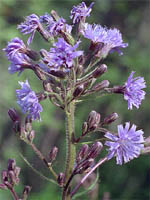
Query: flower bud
[(58, 73), (39, 73), (11, 164), (78, 91), (84, 128), (17, 127), (99, 71), (13, 114), (94, 150), (61, 179), (13, 180), (93, 120), (110, 118), (4, 176), (53, 154), (3, 187), (47, 86), (33, 54), (100, 86), (147, 141), (85, 165), (31, 136), (43, 53), (26, 191), (82, 153)]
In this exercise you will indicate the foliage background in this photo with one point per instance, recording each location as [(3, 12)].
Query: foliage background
[(128, 182)]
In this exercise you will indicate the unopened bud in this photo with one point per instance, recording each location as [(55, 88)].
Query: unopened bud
[(94, 150), (93, 120), (11, 164), (100, 86), (82, 153), (55, 15), (13, 114), (17, 171), (13, 180), (110, 118), (26, 191), (84, 128), (33, 54), (17, 127), (61, 179), (47, 86), (4, 176), (83, 168), (146, 150), (3, 187), (53, 154), (147, 142), (31, 135), (28, 124), (43, 53), (58, 73), (78, 91), (39, 73), (99, 71)]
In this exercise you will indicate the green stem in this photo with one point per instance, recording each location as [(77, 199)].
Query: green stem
[(71, 150)]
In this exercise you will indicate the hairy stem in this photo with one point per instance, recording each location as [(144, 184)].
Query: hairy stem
[(71, 151), (14, 194)]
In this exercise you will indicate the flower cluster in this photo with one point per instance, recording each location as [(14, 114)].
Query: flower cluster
[(28, 101)]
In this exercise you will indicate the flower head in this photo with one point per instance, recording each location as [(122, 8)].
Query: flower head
[(110, 38), (127, 145), (30, 25), (14, 46), (55, 27), (80, 12), (133, 92), (28, 101), (62, 55)]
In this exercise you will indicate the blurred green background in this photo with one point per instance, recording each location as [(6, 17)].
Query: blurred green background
[(128, 182)]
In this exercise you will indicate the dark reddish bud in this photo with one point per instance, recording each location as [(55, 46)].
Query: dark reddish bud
[(110, 118), (116, 89), (39, 73), (61, 179), (84, 128), (84, 166), (3, 187), (12, 178), (100, 86), (31, 136), (53, 154), (81, 60), (78, 91), (82, 153), (94, 150), (93, 120), (26, 191), (11, 164), (32, 54), (13, 114), (99, 71), (59, 74), (47, 86), (17, 127), (4, 176)]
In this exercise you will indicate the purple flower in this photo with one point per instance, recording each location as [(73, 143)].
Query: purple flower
[(55, 27), (28, 101), (80, 12), (133, 92), (110, 38), (30, 25), (127, 145), (62, 55), (14, 46)]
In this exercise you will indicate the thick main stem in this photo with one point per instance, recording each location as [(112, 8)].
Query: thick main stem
[(71, 150)]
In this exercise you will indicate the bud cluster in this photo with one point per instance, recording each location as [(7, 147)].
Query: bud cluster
[(10, 178), (85, 157)]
